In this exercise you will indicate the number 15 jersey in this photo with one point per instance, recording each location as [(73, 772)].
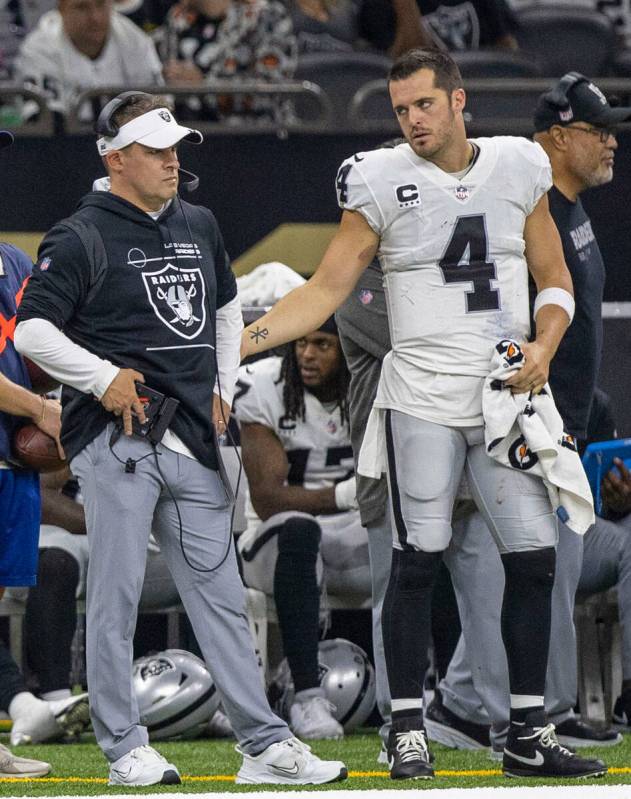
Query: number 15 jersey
[(455, 274)]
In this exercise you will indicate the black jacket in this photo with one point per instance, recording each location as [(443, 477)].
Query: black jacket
[(144, 295)]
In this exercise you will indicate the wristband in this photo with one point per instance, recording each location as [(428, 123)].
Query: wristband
[(555, 296)]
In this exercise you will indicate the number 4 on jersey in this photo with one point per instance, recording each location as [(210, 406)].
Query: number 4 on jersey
[(465, 261), (341, 183)]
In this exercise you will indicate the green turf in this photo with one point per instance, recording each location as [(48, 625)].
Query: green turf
[(204, 758)]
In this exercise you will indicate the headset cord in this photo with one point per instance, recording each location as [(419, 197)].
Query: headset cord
[(130, 468), (130, 463), (179, 520)]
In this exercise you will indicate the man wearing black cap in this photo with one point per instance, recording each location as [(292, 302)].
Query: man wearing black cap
[(301, 508), (575, 125)]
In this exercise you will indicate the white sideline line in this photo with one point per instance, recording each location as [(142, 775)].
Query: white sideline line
[(557, 792)]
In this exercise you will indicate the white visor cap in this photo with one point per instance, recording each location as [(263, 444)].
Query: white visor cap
[(157, 129)]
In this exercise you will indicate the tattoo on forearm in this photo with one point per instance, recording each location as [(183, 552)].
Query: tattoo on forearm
[(257, 334)]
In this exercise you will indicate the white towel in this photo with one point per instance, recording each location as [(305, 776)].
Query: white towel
[(372, 461), (525, 431), (267, 283)]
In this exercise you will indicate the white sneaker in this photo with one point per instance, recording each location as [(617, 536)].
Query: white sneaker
[(21, 767), (312, 717), (219, 725), (143, 766), (42, 721), (288, 762)]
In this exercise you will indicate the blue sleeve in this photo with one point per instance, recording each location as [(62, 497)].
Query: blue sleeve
[(18, 260), (60, 279)]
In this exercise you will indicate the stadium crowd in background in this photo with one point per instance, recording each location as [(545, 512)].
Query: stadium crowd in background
[(206, 40), (81, 45)]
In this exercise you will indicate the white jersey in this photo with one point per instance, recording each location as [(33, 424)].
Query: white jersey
[(452, 253), (49, 62), (318, 448)]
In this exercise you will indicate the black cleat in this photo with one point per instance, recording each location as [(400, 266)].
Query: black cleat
[(620, 717), (535, 752), (576, 733), (408, 755), (448, 729)]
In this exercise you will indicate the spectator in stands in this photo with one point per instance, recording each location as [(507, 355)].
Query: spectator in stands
[(459, 25), (345, 25), (147, 14), (81, 45), (301, 507), (451, 24), (205, 40)]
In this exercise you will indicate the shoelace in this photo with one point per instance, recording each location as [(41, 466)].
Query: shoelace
[(412, 746), (148, 750), (301, 747), (548, 738)]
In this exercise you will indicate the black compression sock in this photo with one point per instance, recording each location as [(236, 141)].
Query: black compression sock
[(406, 620), (297, 598), (526, 613)]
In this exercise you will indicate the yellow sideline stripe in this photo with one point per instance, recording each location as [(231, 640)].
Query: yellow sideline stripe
[(230, 777)]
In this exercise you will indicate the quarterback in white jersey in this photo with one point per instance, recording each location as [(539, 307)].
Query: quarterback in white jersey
[(457, 223), (303, 522), (455, 273)]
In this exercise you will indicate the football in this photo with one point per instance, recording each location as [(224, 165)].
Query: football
[(36, 450), (41, 382)]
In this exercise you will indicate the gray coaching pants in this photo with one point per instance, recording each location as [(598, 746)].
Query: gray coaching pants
[(121, 510)]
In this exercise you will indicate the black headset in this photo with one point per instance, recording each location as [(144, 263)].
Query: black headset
[(106, 126), (557, 96)]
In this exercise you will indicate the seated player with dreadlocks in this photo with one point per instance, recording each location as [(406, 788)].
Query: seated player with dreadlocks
[(303, 522)]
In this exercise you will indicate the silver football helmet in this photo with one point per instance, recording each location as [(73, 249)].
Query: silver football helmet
[(176, 694), (348, 679)]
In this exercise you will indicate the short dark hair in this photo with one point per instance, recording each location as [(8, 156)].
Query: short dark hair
[(139, 105), (446, 73)]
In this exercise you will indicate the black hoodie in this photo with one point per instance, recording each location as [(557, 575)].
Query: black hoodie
[(144, 295)]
